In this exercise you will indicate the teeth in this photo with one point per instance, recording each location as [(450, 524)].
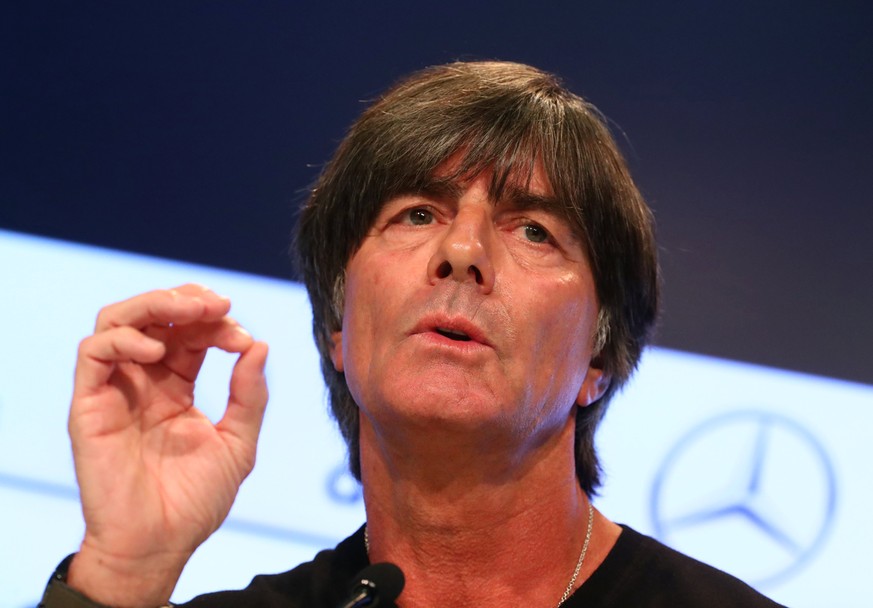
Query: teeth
[(454, 335)]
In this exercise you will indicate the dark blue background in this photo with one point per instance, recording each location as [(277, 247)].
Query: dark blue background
[(191, 129)]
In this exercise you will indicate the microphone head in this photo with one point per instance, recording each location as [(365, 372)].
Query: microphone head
[(384, 579)]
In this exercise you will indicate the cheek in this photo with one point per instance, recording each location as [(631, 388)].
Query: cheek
[(376, 280), (366, 312), (569, 328), (355, 349)]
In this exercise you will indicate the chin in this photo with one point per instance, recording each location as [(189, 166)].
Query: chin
[(447, 404)]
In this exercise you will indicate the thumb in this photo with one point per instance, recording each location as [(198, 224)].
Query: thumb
[(248, 396)]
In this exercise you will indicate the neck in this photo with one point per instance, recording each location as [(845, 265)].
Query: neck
[(502, 532)]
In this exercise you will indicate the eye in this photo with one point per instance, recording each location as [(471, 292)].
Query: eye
[(535, 233), (418, 216)]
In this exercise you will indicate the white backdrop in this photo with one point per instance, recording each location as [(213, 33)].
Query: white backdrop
[(758, 471)]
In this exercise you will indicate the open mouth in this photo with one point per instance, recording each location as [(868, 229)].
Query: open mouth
[(453, 335)]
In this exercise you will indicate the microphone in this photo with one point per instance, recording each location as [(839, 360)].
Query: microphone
[(375, 585)]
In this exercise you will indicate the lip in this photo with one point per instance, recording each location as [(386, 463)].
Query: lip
[(431, 324)]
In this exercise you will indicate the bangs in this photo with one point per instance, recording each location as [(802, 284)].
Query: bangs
[(508, 140)]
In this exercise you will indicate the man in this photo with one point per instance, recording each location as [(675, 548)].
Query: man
[(483, 277)]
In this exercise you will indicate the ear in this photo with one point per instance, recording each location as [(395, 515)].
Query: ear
[(336, 350), (595, 384)]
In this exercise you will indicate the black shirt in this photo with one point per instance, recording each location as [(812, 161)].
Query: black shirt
[(639, 572)]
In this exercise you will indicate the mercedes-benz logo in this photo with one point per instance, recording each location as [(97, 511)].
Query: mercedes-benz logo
[(750, 492)]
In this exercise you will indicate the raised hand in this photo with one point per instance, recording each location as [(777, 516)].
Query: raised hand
[(156, 476)]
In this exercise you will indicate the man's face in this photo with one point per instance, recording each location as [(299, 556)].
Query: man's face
[(467, 314)]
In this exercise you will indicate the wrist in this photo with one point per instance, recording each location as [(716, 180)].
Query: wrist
[(59, 594), (141, 582)]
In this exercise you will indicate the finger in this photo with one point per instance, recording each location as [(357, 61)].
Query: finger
[(181, 305), (226, 334), (186, 349), (99, 354), (248, 396)]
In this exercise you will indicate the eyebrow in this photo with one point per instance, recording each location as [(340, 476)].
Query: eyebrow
[(512, 196), (522, 199), (440, 189)]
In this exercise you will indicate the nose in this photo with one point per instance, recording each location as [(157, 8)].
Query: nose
[(465, 251)]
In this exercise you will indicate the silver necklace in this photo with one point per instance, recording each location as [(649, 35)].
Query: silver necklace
[(569, 590)]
